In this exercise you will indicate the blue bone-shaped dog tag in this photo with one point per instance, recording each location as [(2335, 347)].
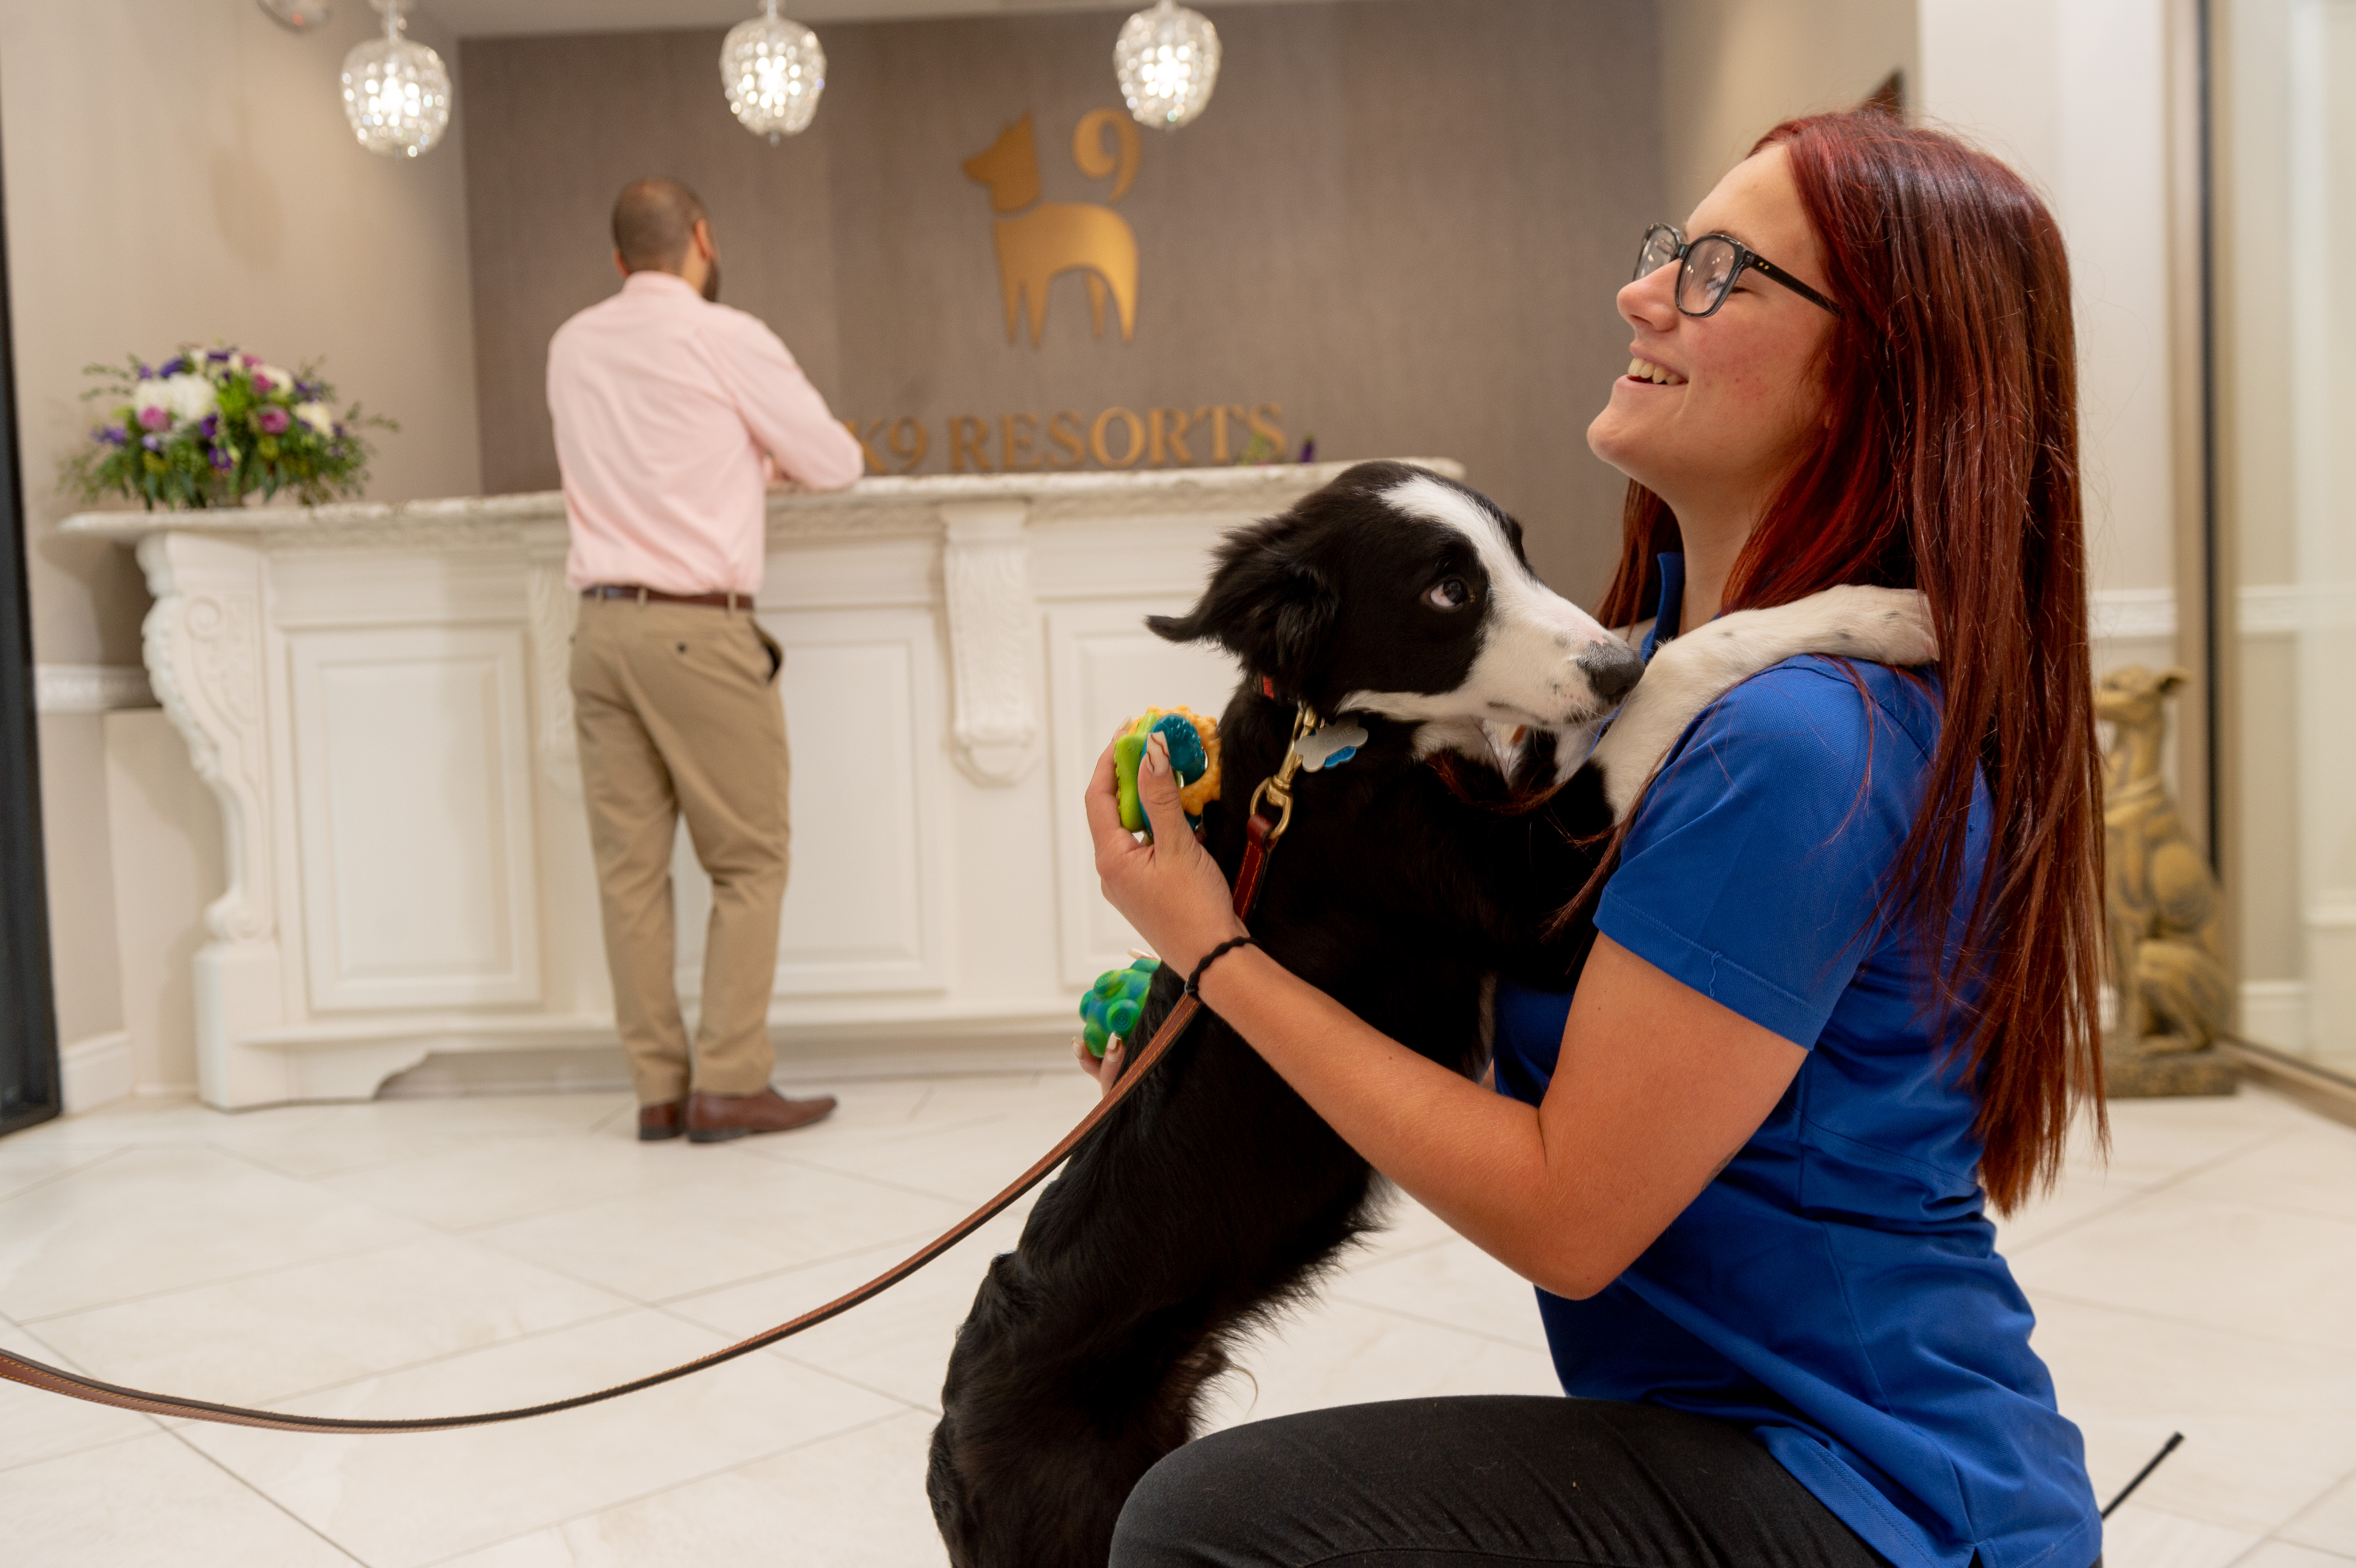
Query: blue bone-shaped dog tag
[(1331, 747)]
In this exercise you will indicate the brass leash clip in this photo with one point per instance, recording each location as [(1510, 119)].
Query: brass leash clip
[(1278, 786)]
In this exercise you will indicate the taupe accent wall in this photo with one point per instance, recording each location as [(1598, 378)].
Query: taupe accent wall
[(1401, 222)]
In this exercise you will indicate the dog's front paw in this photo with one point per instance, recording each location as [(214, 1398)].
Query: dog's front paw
[(1888, 626)]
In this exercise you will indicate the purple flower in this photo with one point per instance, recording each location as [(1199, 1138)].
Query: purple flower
[(152, 418), (152, 443), (272, 420), (216, 356), (210, 425), (175, 365), (112, 435), (221, 459)]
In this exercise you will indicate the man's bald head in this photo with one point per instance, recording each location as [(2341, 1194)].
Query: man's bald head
[(654, 222)]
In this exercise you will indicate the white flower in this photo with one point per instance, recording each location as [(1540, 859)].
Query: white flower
[(189, 396), (150, 398), (269, 381), (317, 415)]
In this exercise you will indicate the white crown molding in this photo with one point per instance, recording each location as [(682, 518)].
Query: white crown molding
[(89, 688)]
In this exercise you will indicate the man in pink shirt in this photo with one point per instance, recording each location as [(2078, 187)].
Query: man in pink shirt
[(671, 413)]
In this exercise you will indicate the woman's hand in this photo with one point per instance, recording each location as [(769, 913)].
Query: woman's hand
[(1105, 1070), (1170, 889)]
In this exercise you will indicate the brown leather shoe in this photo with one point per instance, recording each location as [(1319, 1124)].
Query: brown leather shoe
[(656, 1123), (716, 1118)]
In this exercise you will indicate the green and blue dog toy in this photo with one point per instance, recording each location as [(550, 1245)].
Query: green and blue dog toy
[(1193, 742), (1115, 1002)]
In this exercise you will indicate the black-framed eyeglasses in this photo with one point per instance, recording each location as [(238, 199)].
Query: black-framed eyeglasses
[(1712, 263)]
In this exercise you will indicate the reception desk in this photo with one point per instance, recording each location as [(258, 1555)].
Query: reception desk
[(377, 698)]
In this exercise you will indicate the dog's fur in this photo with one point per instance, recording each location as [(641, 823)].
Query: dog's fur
[(1214, 1195)]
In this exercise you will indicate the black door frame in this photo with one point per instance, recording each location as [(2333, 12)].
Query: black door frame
[(29, 1086)]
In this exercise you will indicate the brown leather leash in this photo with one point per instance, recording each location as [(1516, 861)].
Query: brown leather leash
[(1259, 837)]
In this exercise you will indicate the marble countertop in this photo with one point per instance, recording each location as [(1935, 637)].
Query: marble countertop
[(872, 505)]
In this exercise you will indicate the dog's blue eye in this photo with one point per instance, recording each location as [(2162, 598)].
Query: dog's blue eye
[(1449, 595)]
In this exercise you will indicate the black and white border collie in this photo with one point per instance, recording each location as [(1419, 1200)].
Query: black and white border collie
[(1213, 1197)]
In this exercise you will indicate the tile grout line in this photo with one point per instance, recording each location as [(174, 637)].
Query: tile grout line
[(676, 1486), (967, 1202), (2139, 1194), (278, 1401), (324, 1183), (56, 1177), (160, 1428), (85, 1448), (250, 1274), (909, 1406), (889, 1137), (2242, 1330), (2308, 1508), (155, 1423), (334, 1545), (891, 1244), (629, 1304), (1407, 1316), (2264, 1542), (458, 1142), (479, 1226)]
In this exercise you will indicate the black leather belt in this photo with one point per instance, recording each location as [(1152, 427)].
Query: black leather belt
[(656, 596)]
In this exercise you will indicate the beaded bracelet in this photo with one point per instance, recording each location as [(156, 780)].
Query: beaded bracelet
[(1194, 981)]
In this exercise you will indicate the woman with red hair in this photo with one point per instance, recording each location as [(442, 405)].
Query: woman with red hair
[(1842, 1000)]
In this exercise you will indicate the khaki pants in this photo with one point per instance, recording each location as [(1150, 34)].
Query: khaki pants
[(677, 710)]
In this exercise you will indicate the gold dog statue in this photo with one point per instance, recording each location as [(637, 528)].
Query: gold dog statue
[(1057, 237), (2167, 950)]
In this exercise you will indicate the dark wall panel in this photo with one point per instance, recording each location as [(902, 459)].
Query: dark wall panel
[(1402, 221)]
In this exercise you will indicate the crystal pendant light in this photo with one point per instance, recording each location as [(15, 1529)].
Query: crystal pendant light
[(396, 93), (772, 71), (1167, 61)]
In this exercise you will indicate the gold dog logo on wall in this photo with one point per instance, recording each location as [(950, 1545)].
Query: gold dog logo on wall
[(1056, 237)]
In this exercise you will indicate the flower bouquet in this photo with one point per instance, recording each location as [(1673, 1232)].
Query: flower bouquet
[(212, 426)]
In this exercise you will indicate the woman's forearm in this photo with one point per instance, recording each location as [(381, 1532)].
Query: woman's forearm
[(1655, 1089), (1474, 1157)]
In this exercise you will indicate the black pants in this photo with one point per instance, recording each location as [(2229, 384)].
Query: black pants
[(1458, 1483)]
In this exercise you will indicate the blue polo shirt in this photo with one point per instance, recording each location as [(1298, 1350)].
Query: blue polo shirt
[(1836, 1288)]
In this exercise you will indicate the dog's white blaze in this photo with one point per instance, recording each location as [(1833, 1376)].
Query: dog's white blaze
[(1527, 671), (1886, 626)]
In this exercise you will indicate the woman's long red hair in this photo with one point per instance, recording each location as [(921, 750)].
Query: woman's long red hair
[(1949, 463)]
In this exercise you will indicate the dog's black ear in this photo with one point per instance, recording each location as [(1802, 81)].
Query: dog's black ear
[(1514, 535), (1268, 605)]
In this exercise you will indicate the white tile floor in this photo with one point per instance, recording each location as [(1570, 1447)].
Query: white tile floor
[(412, 1257)]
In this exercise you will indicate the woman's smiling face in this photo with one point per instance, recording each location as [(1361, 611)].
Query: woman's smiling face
[(1715, 410)]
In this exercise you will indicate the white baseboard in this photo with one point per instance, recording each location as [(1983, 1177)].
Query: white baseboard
[(800, 1063), (2274, 1012), (93, 1071)]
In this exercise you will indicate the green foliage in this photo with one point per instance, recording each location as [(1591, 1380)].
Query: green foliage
[(211, 426)]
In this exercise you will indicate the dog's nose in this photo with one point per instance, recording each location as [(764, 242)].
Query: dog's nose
[(1613, 669)]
